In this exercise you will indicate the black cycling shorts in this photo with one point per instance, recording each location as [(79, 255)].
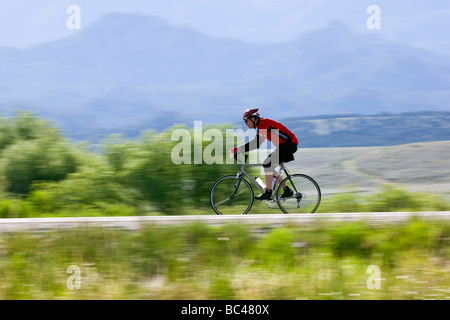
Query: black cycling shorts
[(284, 153)]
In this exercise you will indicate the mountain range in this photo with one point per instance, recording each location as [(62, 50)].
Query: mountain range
[(127, 70)]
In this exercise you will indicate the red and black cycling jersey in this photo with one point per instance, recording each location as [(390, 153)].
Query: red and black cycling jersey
[(271, 130), (275, 132)]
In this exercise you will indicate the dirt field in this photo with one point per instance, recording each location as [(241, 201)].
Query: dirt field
[(417, 167)]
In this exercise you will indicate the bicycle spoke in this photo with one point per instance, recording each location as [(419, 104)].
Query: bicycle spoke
[(307, 198), (217, 204), (225, 199), (230, 198), (233, 195)]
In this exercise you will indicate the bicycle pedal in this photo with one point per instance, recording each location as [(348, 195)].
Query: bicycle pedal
[(271, 200), (268, 200)]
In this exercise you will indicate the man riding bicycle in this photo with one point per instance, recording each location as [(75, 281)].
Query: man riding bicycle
[(285, 141)]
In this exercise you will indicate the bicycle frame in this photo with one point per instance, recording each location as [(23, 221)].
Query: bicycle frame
[(305, 197), (275, 180)]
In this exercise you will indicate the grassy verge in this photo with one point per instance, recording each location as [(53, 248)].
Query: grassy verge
[(323, 261), (388, 199)]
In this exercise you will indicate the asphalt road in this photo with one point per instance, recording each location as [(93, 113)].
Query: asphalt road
[(273, 220)]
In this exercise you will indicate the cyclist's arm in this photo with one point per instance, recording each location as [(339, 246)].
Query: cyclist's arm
[(255, 143)]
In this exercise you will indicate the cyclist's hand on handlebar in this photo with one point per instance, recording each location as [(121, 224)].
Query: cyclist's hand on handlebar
[(234, 151)]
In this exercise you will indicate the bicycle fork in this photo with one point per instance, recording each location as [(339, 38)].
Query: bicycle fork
[(236, 187)]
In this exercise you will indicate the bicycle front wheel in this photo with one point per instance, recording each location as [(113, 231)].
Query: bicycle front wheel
[(231, 195), (306, 197)]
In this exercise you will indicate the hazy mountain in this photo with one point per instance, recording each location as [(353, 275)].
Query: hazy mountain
[(350, 130), (130, 69), (370, 130)]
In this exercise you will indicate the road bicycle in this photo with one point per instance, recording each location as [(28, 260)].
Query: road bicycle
[(233, 194)]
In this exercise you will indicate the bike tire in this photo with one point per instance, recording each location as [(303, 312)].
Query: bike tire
[(308, 196), (222, 190)]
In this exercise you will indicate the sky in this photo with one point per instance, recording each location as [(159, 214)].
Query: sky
[(24, 23)]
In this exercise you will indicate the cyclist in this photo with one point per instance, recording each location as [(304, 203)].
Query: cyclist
[(285, 141)]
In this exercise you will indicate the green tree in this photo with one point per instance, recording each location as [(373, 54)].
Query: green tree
[(23, 126), (93, 186), (36, 160), (33, 150), (146, 165), (6, 136)]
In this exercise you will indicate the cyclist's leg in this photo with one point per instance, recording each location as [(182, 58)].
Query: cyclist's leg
[(269, 165), (287, 151), (284, 153)]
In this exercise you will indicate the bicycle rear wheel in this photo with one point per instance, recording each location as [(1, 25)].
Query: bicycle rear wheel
[(231, 195), (306, 198)]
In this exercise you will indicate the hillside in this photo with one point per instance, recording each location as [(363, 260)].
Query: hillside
[(371, 130), (320, 131), (127, 69), (416, 167)]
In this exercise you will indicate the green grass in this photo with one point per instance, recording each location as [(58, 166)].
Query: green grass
[(323, 261), (387, 199)]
